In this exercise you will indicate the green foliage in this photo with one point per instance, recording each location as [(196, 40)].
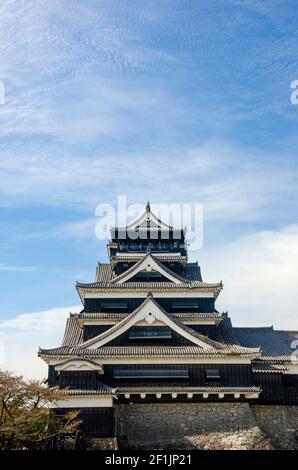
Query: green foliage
[(26, 416)]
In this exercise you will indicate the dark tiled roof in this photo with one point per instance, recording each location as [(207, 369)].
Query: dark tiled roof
[(101, 389), (139, 351), (197, 315), (119, 325), (73, 332), (146, 286), (223, 341), (159, 263), (147, 220), (186, 389), (228, 348), (184, 316), (193, 272), (103, 315), (120, 258), (263, 367), (224, 333), (104, 272), (275, 344)]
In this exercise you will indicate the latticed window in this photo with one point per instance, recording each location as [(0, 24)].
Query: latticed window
[(144, 276), (212, 375), (185, 304), (150, 333), (150, 373), (113, 305)]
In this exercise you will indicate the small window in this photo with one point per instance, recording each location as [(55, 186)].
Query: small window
[(153, 274), (148, 333), (212, 374), (113, 305), (185, 304), (150, 373)]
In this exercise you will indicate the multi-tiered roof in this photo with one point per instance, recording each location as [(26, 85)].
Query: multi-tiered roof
[(148, 315)]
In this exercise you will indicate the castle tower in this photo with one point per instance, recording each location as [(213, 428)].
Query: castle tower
[(149, 332)]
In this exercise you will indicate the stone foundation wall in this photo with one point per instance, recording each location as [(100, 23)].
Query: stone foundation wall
[(188, 426), (279, 423), (216, 426)]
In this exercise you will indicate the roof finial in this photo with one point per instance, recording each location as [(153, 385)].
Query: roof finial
[(148, 206)]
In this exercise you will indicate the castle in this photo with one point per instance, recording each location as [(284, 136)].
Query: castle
[(150, 360)]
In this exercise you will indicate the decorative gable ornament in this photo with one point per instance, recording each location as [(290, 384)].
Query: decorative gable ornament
[(150, 318)]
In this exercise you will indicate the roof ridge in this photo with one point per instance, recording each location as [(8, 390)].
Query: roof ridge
[(116, 326), (188, 282), (141, 218), (72, 332), (137, 351), (185, 328), (215, 345)]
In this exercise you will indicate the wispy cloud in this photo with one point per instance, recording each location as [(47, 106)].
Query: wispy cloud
[(48, 320), (21, 337), (77, 229), (260, 277), (231, 182), (5, 267), (180, 103), (92, 73)]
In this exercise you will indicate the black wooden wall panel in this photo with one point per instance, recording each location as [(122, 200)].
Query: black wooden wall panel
[(275, 387), (204, 304), (231, 375), (87, 380), (52, 377), (175, 267), (176, 340), (272, 386), (90, 331), (139, 277), (96, 422), (290, 383)]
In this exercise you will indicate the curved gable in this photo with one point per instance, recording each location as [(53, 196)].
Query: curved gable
[(145, 220), (149, 264), (150, 312)]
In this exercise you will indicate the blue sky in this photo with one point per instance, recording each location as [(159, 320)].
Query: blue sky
[(175, 101)]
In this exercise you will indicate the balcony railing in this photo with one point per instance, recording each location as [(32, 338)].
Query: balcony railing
[(144, 247)]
